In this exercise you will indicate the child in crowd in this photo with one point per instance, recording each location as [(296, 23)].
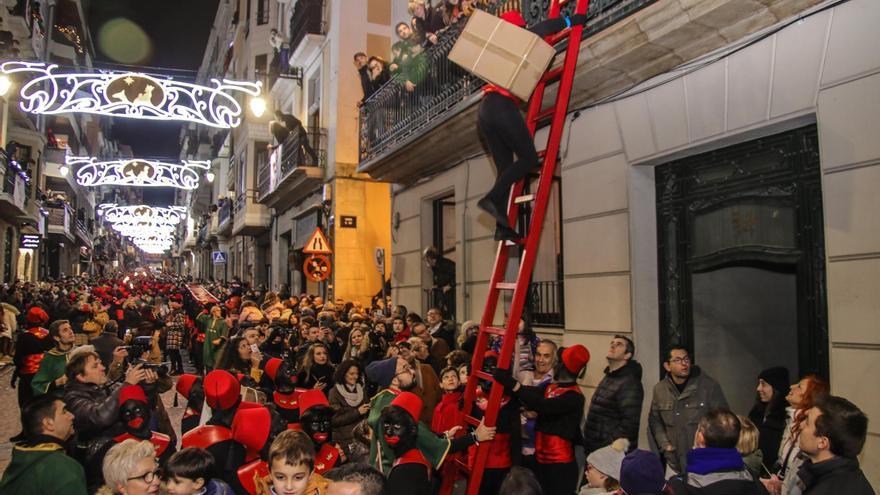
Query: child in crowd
[(190, 472), (603, 469), (292, 467), (748, 447)]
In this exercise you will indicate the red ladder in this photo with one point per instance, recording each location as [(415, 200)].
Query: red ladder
[(564, 75)]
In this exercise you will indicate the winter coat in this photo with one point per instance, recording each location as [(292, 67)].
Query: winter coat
[(9, 324), (674, 416), (834, 477), (615, 408), (345, 417), (716, 471), (42, 468), (95, 409)]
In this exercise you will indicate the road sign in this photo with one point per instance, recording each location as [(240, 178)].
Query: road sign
[(380, 259), (317, 268), (219, 257), (317, 243)]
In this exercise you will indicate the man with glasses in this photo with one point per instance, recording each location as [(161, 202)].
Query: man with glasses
[(678, 403)]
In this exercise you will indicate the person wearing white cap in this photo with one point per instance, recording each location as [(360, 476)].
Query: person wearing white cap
[(603, 468)]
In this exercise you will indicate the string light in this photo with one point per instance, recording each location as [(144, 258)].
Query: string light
[(138, 172)]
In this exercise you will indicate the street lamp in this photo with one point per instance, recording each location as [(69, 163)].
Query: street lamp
[(210, 176), (258, 106), (5, 84), (63, 170)]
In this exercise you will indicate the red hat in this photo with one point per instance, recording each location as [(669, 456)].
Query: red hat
[(575, 358), (310, 399), (514, 18), (222, 390), (37, 316), (409, 402), (86, 308), (251, 428), (272, 366), (489, 354), (132, 392), (185, 384)]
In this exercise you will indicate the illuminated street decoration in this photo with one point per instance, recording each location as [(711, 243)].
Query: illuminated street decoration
[(147, 173), (142, 229), (132, 95), (154, 215)]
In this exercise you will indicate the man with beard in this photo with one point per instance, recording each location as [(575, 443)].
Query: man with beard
[(50, 377), (393, 376), (315, 417), (411, 472), (560, 408), (190, 387), (286, 395), (255, 429)]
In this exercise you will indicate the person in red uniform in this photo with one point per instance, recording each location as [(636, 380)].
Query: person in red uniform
[(316, 417), (190, 387), (285, 396), (507, 134), (29, 350), (410, 471), (560, 408), (255, 429)]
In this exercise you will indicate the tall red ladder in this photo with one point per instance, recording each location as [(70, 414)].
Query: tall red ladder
[(564, 75)]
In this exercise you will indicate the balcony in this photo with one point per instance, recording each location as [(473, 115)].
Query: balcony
[(406, 136), (15, 192), (213, 226), (224, 218), (307, 30), (82, 233), (294, 170), (60, 220), (19, 21), (251, 218)]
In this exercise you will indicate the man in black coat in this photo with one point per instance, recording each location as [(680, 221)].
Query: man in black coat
[(616, 405), (107, 342), (832, 437)]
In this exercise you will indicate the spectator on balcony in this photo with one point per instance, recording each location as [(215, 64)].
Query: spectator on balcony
[(408, 63), (286, 125), (281, 45), (426, 22), (360, 63)]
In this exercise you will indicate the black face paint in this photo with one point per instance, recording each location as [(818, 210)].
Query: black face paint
[(285, 379), (489, 365), (399, 430), (136, 417), (316, 423)]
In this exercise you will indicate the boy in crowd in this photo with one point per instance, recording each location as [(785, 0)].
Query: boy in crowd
[(292, 467), (190, 472)]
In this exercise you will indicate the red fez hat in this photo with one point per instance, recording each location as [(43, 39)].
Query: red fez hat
[(185, 384), (514, 18), (132, 392), (489, 354), (310, 399), (222, 390), (251, 428), (86, 308), (410, 403), (272, 366), (575, 358), (37, 315)]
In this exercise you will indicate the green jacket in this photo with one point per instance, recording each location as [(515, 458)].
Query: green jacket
[(214, 329), (51, 368), (432, 446), (43, 469)]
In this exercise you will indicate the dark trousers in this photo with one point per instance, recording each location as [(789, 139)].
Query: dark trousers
[(506, 134), (175, 359), (558, 479), (25, 392)]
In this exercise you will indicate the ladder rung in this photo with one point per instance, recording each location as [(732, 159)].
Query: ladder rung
[(506, 285), (461, 464), (524, 198), (471, 420), (552, 74), (495, 331), (544, 114), (510, 242), (561, 35), (482, 375)]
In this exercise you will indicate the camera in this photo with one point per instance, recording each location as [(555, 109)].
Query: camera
[(140, 346)]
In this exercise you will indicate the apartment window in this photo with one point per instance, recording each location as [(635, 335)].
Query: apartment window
[(262, 12), (261, 65), (443, 271), (261, 159)]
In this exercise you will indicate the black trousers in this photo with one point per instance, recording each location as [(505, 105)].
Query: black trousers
[(558, 479), (507, 135)]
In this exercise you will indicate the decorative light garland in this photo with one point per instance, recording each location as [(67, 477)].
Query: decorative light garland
[(130, 94), (171, 215), (137, 172)]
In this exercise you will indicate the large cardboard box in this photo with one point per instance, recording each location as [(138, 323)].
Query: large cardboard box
[(501, 53)]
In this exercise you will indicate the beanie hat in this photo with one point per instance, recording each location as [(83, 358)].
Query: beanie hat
[(222, 390), (642, 473), (410, 403), (514, 18), (37, 316), (311, 398), (575, 358), (382, 372), (185, 384), (251, 428), (607, 459), (777, 377), (132, 392), (272, 366)]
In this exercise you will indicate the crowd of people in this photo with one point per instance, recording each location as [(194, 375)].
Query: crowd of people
[(294, 394)]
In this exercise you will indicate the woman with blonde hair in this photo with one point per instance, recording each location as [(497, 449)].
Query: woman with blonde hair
[(250, 313), (747, 447), (130, 468), (357, 345), (272, 307), (316, 372)]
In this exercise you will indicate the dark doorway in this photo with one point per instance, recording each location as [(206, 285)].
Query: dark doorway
[(742, 260)]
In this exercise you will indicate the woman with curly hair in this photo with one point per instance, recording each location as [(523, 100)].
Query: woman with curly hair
[(349, 401)]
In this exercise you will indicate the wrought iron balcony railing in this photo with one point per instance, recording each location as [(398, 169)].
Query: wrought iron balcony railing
[(393, 114), (224, 214), (307, 18), (299, 149)]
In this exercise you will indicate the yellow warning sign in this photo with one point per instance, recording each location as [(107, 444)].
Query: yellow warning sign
[(317, 243)]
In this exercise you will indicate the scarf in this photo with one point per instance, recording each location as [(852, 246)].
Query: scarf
[(353, 398), (710, 460)]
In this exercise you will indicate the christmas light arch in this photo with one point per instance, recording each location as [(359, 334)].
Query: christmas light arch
[(137, 172)]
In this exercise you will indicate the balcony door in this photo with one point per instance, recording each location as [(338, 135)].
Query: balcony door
[(741, 260)]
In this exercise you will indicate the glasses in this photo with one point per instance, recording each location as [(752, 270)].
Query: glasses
[(147, 477), (681, 360)]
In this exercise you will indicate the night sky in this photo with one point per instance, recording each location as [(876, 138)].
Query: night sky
[(176, 35)]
